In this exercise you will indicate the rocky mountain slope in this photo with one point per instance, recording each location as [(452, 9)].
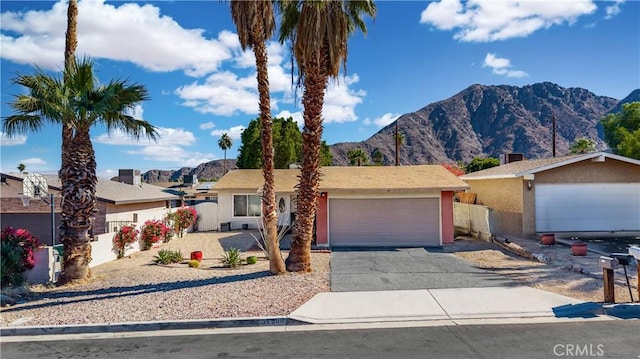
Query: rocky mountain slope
[(490, 121), (479, 121)]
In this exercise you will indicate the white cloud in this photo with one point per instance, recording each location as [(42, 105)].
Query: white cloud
[(234, 132), (501, 66), (383, 120), (136, 112), (227, 93), (34, 161), (340, 100), (207, 125), (165, 136), (15, 140), (174, 154), (614, 9), (492, 20), (125, 32), (297, 116)]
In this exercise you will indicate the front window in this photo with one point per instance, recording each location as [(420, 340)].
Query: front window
[(246, 205)]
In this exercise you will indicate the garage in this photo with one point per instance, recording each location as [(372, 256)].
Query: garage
[(398, 222), (587, 207)]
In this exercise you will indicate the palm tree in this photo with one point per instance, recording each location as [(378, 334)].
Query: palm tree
[(21, 167), (255, 23), (225, 143), (398, 138), (582, 145), (318, 32), (357, 156), (80, 103)]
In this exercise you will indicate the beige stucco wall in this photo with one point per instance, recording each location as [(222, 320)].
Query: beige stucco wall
[(505, 198), (610, 171)]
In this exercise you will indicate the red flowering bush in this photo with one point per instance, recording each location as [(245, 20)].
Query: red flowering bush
[(183, 218), (453, 169), (18, 247), (124, 238), (154, 232)]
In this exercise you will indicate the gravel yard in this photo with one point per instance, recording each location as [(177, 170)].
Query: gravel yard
[(134, 289)]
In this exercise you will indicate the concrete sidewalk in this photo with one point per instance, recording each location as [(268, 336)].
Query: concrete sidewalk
[(445, 304)]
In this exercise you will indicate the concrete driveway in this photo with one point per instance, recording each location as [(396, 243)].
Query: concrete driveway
[(406, 269)]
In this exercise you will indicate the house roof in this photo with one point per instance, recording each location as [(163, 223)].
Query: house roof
[(115, 192), (367, 178), (527, 167)]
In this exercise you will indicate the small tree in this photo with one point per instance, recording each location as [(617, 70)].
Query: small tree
[(21, 167), (582, 145), (622, 130), (480, 163), (183, 218), (357, 156), (123, 239), (377, 157)]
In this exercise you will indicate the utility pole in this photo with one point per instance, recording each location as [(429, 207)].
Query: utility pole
[(553, 135), (397, 145)]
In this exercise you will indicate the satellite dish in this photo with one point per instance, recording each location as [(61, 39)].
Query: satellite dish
[(34, 185)]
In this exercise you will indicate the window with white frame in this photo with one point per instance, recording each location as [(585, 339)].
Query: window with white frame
[(246, 205)]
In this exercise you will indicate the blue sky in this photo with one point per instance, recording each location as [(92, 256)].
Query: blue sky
[(202, 84)]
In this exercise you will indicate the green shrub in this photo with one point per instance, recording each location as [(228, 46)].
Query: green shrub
[(194, 263), (232, 257), (12, 267), (167, 256)]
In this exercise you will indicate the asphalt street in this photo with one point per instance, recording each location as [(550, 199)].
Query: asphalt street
[(406, 269), (607, 339)]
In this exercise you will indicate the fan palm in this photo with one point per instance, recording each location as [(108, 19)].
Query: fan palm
[(255, 23), (318, 32), (225, 143), (79, 103), (357, 156)]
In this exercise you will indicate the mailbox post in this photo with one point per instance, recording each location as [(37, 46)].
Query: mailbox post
[(608, 264), (635, 252)]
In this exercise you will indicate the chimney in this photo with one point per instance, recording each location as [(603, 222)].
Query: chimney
[(190, 180), (130, 176), (511, 157)]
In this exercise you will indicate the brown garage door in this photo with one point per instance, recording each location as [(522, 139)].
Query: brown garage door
[(404, 222)]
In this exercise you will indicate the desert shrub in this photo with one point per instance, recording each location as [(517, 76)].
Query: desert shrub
[(232, 257), (194, 263), (262, 242), (167, 256), (17, 246)]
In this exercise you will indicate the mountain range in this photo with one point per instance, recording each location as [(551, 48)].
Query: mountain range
[(484, 121)]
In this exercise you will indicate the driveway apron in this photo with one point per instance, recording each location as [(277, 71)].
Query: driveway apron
[(406, 269)]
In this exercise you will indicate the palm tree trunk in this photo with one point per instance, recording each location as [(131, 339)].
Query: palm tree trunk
[(299, 258), (71, 43), (270, 216), (78, 207)]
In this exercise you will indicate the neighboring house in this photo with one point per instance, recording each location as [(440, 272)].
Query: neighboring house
[(358, 206), (202, 196), (594, 192), (118, 203)]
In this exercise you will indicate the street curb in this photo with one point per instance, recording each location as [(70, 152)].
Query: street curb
[(149, 326)]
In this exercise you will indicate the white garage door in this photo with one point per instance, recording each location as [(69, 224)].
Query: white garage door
[(587, 207), (406, 222)]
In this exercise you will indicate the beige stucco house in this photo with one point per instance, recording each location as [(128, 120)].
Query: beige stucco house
[(590, 193), (357, 206)]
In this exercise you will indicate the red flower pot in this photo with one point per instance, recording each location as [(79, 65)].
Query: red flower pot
[(579, 248), (548, 239), (197, 255)]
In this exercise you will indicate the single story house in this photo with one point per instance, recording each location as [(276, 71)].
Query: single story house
[(588, 193), (123, 202), (358, 206)]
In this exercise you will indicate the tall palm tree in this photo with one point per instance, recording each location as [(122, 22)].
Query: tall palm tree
[(398, 138), (79, 102), (70, 45), (318, 32), (225, 143), (255, 23)]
